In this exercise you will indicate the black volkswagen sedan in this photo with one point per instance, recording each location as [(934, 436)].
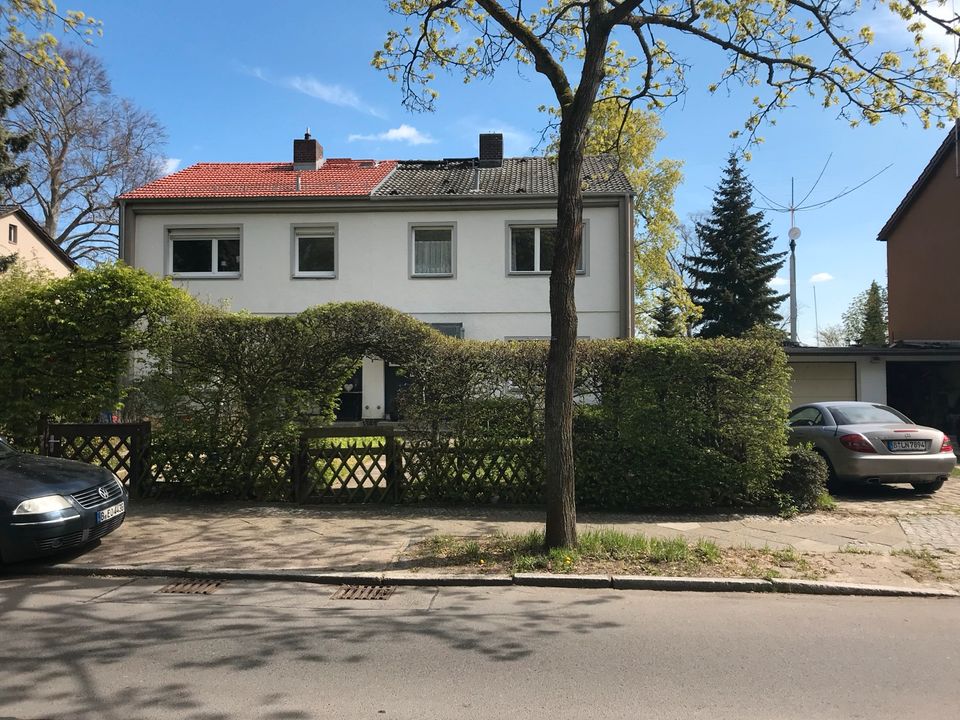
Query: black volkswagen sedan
[(48, 504)]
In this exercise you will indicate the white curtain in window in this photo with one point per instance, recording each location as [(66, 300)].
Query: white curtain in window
[(432, 252)]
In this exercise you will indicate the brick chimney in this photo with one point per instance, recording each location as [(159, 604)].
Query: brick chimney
[(491, 150), (307, 153)]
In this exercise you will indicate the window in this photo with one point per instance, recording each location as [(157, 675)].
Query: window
[(12, 234), (432, 254), (205, 251), (805, 417), (315, 252), (531, 249)]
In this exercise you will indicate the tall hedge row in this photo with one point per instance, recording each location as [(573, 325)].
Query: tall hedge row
[(658, 423)]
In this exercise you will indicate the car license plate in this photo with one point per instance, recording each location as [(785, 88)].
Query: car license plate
[(907, 445), (110, 512)]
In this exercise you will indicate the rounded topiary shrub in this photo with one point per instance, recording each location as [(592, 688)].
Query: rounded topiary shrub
[(804, 480)]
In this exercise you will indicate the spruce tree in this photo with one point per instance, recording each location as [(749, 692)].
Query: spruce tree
[(732, 274), (874, 330), (11, 145), (667, 322)]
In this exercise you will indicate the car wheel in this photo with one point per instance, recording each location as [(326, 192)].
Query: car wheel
[(833, 483), (930, 487)]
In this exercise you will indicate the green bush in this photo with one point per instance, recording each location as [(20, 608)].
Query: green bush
[(66, 344), (803, 482)]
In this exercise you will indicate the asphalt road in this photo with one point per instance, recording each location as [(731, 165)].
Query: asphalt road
[(119, 650)]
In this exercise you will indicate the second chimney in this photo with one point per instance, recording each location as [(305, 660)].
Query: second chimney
[(491, 150), (307, 153)]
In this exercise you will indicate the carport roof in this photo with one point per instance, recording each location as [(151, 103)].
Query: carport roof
[(887, 352)]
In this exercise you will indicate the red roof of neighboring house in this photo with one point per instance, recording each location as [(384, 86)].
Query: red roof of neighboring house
[(336, 177)]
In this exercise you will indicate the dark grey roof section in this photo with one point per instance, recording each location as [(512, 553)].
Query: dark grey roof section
[(517, 176), (887, 352)]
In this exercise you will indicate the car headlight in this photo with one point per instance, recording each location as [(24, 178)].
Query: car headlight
[(46, 504)]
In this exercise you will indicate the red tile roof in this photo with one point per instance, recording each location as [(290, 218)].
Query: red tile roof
[(336, 177)]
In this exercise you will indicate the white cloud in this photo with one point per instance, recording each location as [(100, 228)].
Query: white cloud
[(404, 133), (312, 87), (821, 277), (170, 165), (779, 282)]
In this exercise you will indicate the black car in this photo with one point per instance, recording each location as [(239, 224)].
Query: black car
[(48, 505)]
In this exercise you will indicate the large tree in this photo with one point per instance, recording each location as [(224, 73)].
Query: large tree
[(26, 31), (734, 271), (787, 45), (865, 320), (88, 147), (12, 144)]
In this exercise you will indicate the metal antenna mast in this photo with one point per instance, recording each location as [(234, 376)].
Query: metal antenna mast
[(794, 233)]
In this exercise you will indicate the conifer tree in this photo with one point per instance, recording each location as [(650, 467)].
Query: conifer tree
[(11, 144), (666, 316), (874, 330), (733, 272)]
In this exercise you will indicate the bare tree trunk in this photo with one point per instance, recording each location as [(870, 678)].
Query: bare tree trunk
[(561, 527)]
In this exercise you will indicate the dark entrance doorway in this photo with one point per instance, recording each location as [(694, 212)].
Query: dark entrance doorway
[(351, 399), (926, 392)]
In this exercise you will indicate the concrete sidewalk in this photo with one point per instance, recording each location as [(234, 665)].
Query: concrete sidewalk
[(325, 538)]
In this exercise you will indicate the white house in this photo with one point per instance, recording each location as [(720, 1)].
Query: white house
[(24, 237), (463, 244)]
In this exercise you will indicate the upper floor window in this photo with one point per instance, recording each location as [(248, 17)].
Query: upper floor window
[(315, 252), (205, 252), (432, 251), (12, 234), (531, 249)]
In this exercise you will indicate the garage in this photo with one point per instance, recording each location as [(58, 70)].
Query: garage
[(817, 381)]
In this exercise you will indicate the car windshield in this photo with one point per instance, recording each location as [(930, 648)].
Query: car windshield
[(6, 450), (867, 415)]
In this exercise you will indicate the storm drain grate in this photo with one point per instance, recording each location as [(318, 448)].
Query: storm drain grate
[(364, 592), (196, 587)]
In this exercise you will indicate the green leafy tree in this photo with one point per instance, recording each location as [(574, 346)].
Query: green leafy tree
[(66, 344), (787, 46), (734, 271), (28, 32), (865, 321)]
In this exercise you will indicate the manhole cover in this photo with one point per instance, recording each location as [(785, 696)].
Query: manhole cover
[(198, 587), (364, 592)]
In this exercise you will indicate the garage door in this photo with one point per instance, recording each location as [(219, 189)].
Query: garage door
[(816, 381)]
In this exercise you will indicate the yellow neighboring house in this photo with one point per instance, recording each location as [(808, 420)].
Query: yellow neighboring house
[(20, 234)]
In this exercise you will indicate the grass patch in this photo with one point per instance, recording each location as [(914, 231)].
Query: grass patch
[(925, 564), (856, 550), (603, 548), (826, 502)]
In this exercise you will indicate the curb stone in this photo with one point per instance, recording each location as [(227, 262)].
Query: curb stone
[(616, 582), (646, 582)]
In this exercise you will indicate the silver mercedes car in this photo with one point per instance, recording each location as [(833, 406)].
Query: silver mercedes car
[(867, 442)]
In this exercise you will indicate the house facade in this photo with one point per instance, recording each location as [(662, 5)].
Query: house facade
[(919, 372), (462, 244), (22, 236)]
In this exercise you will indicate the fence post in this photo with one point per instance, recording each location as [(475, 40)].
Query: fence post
[(393, 469), (139, 464), (298, 467)]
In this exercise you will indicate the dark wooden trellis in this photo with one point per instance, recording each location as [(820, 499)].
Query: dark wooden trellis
[(347, 465), (340, 464), (123, 448)]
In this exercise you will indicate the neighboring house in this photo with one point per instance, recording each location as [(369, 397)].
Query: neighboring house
[(919, 373), (22, 236), (462, 244)]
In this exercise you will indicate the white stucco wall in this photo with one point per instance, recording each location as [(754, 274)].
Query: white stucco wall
[(30, 249), (373, 263)]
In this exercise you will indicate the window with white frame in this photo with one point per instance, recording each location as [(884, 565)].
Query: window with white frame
[(432, 251), (315, 252), (204, 252), (531, 249), (12, 234)]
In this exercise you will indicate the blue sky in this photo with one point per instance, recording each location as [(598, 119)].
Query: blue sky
[(238, 81)]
